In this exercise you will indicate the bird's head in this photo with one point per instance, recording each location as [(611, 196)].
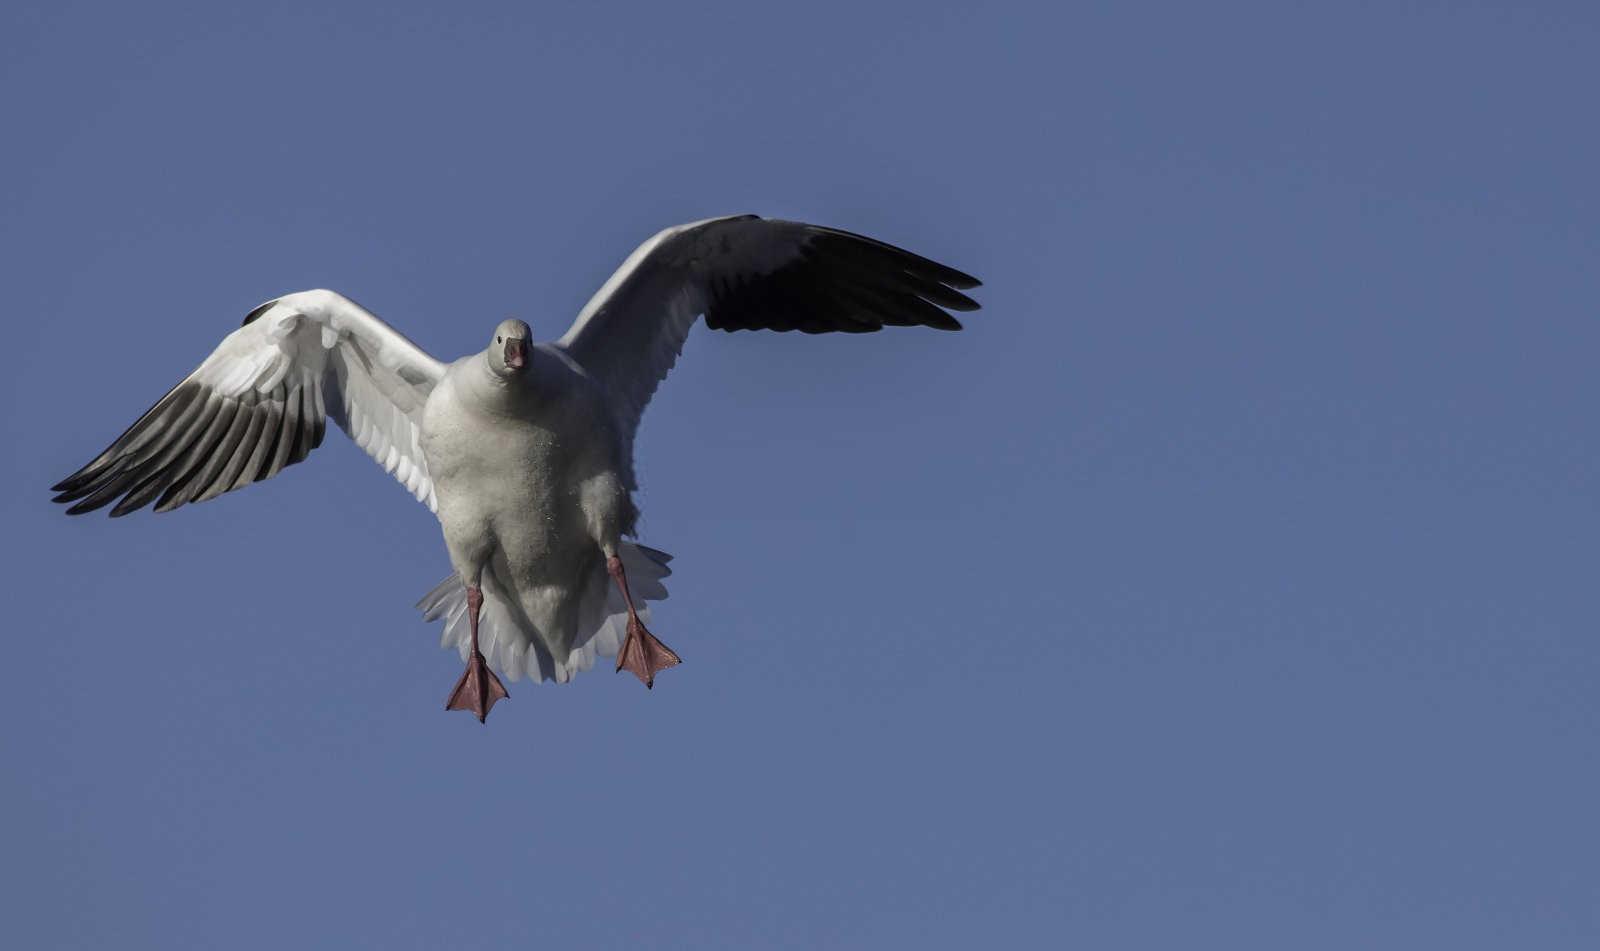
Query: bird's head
[(508, 352)]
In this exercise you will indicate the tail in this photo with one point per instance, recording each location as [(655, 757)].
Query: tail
[(513, 652)]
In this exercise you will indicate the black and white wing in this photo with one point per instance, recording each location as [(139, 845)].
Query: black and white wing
[(260, 402), (749, 273)]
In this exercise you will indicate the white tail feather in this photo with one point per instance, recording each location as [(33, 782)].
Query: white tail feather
[(514, 652)]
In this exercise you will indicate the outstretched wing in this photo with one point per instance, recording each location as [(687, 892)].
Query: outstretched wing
[(749, 273), (259, 403)]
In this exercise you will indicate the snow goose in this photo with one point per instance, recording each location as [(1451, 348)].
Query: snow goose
[(524, 451)]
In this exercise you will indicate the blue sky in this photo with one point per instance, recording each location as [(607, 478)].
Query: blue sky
[(1230, 582)]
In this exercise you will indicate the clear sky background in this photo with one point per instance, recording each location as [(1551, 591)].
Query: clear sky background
[(1230, 582)]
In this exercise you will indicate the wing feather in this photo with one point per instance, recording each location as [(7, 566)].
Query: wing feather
[(260, 403), (749, 273)]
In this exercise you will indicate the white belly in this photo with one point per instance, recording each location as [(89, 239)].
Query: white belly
[(533, 485)]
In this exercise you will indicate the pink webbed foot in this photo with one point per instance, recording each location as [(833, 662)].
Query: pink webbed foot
[(643, 655), (477, 690)]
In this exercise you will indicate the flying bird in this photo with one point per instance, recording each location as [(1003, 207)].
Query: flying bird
[(524, 450)]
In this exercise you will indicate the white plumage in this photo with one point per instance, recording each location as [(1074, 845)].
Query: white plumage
[(525, 453)]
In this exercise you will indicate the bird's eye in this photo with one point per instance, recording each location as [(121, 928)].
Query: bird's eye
[(497, 339)]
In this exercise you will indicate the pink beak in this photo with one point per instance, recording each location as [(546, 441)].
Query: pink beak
[(516, 353)]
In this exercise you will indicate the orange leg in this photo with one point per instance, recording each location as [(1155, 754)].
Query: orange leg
[(478, 688), (641, 653)]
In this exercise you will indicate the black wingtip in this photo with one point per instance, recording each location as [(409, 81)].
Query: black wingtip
[(77, 480), (248, 318)]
